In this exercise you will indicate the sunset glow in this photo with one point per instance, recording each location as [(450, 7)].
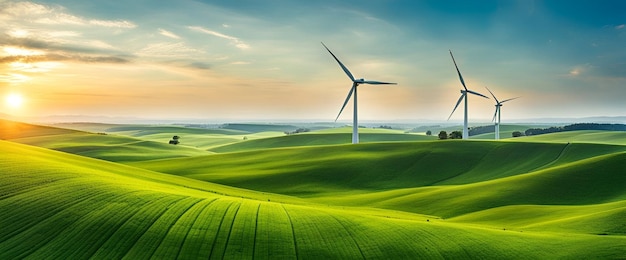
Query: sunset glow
[(248, 60), (14, 100)]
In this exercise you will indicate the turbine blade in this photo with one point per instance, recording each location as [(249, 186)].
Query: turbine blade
[(509, 99), (477, 94), (457, 105), (378, 82), (457, 70), (340, 64), (347, 99), (495, 114), (494, 96)]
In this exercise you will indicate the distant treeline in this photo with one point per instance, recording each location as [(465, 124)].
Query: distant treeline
[(575, 127), (477, 130)]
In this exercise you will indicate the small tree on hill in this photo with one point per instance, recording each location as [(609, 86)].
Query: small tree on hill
[(429, 133), (517, 134), (443, 135), (455, 135), (175, 140)]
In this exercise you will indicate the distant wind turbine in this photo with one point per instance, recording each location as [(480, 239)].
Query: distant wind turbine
[(353, 90), (464, 92), (496, 116)]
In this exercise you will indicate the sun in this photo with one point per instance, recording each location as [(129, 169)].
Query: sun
[(14, 100)]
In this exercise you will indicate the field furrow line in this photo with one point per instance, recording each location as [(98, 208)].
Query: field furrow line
[(201, 237), (175, 236), (127, 235), (256, 229), (191, 238), (320, 236), (153, 237), (352, 235), (41, 234), (221, 238), (38, 207), (218, 231), (241, 240), (93, 228), (273, 235), (230, 229), (293, 231)]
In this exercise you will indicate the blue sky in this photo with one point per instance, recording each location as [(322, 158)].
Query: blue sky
[(263, 60)]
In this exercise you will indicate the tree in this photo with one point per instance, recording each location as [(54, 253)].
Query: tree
[(517, 134), (175, 140), (456, 135), (429, 133), (443, 135)]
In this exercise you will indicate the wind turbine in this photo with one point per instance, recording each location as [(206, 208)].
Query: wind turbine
[(497, 114), (353, 90), (464, 92)]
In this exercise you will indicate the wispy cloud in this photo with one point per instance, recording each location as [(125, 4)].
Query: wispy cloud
[(621, 26), (47, 57), (171, 50), (43, 14), (168, 34), (234, 40), (579, 70), (113, 23)]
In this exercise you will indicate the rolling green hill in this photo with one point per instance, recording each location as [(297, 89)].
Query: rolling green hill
[(377, 166), (96, 145), (57, 205), (305, 196), (318, 138), (583, 136)]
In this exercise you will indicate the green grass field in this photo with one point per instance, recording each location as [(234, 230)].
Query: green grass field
[(293, 197)]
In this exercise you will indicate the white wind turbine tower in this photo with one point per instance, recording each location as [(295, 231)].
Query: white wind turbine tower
[(497, 114), (464, 92), (353, 90)]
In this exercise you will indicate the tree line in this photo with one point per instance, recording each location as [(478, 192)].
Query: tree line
[(576, 127)]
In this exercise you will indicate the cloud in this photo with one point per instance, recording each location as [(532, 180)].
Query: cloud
[(13, 78), (619, 27), (200, 65), (42, 14), (115, 24), (167, 49), (63, 57), (580, 70), (575, 71), (234, 40), (23, 8), (168, 34)]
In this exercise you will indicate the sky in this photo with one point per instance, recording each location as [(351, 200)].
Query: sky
[(263, 60)]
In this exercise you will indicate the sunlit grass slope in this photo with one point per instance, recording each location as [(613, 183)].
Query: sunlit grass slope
[(12, 130), (310, 171), (201, 138), (325, 137), (108, 147), (62, 206), (427, 178), (586, 136)]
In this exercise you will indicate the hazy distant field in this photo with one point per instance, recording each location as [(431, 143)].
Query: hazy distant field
[(68, 194)]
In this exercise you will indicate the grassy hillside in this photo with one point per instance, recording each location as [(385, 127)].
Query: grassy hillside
[(57, 205), (12, 130), (421, 178), (107, 147), (375, 167), (323, 137), (585, 136)]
